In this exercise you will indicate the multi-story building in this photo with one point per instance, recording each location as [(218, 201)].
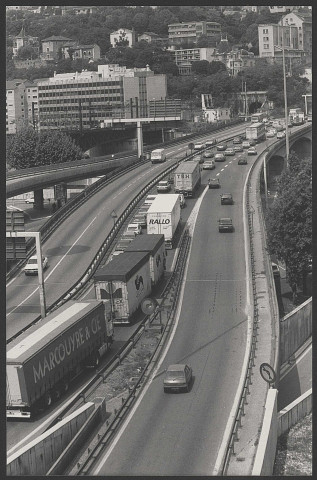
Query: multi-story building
[(16, 106), (123, 34), (281, 9), (238, 60), (23, 40), (189, 32), (186, 56), (51, 47), (31, 92), (87, 52), (78, 10), (83, 100), (303, 22), (272, 37)]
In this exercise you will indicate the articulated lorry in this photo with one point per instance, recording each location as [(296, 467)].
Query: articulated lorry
[(187, 178), (256, 132), (42, 361), (163, 216)]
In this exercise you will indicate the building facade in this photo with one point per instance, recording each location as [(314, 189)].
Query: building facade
[(83, 100), (51, 47), (86, 52), (16, 106), (123, 34), (190, 31), (303, 23)]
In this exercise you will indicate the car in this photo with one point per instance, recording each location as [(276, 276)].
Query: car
[(182, 200), (177, 377), (273, 130), (238, 148), (237, 140), (252, 143), (252, 151), (280, 134), (221, 146), (198, 146), (270, 134), (246, 144), (29, 200), (208, 154), (226, 199), (214, 183), (209, 165), (163, 186), (220, 157), (242, 161), (230, 151), (134, 228), (31, 268), (225, 224), (210, 143), (276, 270)]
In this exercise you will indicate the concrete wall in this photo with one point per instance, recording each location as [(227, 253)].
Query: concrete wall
[(294, 412), (38, 456), (295, 329), (266, 451)]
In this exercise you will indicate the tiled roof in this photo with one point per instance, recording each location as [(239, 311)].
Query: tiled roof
[(55, 38)]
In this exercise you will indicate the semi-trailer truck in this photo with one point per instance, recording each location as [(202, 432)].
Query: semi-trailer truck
[(163, 216), (42, 361), (187, 178), (256, 132)]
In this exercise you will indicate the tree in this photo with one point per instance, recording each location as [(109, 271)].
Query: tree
[(26, 53), (289, 221), (28, 149)]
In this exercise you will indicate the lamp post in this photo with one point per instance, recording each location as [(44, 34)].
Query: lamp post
[(285, 100)]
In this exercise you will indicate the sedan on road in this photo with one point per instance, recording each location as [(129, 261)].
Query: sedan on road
[(252, 151), (238, 148), (208, 154), (270, 134), (237, 140), (29, 200), (221, 146), (230, 151), (281, 134), (226, 199), (177, 377), (213, 183), (209, 165), (225, 225), (31, 267), (220, 157), (242, 161), (246, 144)]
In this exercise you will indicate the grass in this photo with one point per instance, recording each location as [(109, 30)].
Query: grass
[(294, 450)]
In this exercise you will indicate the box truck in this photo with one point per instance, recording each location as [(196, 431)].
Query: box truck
[(158, 155), (255, 132), (43, 360), (155, 245), (122, 284), (187, 178), (163, 216)]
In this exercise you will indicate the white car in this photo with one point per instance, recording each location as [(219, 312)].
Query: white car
[(134, 228), (163, 186), (270, 134), (31, 267), (209, 165), (280, 134), (198, 146), (29, 200)]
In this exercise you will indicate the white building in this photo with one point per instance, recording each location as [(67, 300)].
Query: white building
[(123, 34), (16, 106)]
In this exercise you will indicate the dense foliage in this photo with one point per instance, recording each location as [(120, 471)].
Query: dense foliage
[(28, 148), (289, 220)]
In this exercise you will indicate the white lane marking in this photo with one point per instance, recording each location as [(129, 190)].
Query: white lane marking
[(218, 174), (53, 270), (226, 166), (230, 161), (193, 217), (222, 170)]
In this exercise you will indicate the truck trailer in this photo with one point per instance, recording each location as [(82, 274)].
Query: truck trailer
[(255, 131), (158, 155), (122, 284), (155, 245), (163, 216), (43, 360), (187, 178)]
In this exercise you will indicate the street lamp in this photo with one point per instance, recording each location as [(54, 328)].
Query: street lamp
[(285, 100)]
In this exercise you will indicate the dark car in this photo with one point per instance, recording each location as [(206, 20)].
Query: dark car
[(225, 225), (221, 146), (214, 183), (238, 148), (208, 154), (242, 161), (226, 199), (177, 377), (276, 270), (237, 140)]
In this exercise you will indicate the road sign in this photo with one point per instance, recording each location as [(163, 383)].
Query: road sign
[(149, 305), (15, 221), (15, 247), (267, 373)]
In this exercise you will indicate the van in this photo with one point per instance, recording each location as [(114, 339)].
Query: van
[(158, 155), (133, 229)]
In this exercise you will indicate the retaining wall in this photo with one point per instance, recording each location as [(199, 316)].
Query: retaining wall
[(294, 412), (37, 457), (266, 451), (295, 329)]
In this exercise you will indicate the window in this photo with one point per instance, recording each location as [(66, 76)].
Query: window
[(265, 30), (265, 39), (266, 46)]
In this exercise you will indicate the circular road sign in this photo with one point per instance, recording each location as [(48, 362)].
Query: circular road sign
[(267, 373), (148, 305)]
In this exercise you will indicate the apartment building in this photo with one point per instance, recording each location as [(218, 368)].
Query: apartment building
[(31, 92), (303, 22), (190, 31), (51, 46), (86, 52), (272, 37), (83, 99), (123, 34), (16, 106)]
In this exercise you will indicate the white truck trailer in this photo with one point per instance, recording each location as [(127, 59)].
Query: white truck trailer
[(122, 284), (155, 245), (255, 131), (163, 216), (42, 361), (187, 178)]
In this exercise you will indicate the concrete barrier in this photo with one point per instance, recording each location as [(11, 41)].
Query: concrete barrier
[(295, 329), (294, 412), (37, 457), (266, 451)]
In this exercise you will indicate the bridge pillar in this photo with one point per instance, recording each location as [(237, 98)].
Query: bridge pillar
[(38, 198), (60, 194), (140, 138)]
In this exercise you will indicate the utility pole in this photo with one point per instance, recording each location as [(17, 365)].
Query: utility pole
[(285, 100)]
